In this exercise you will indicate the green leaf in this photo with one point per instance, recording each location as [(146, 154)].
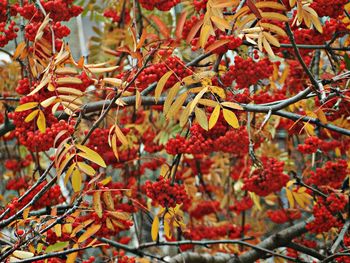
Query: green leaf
[(57, 247)]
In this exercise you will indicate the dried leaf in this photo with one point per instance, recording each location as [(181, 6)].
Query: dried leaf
[(97, 204)]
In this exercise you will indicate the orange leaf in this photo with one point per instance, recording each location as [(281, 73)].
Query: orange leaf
[(180, 25), (162, 27), (89, 232)]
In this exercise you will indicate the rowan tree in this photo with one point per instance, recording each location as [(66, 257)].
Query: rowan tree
[(191, 131)]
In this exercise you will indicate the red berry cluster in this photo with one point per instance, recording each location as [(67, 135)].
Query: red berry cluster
[(59, 10), (221, 138), (246, 72), (200, 5), (267, 180), (205, 208), (122, 258), (313, 143), (7, 34), (16, 165), (162, 5), (242, 205), (310, 145), (283, 216), (152, 165), (189, 25), (215, 232), (331, 175), (234, 42), (23, 87), (329, 8), (148, 139), (154, 72), (125, 17), (165, 193), (325, 213), (60, 31), (98, 141), (52, 197), (17, 184)]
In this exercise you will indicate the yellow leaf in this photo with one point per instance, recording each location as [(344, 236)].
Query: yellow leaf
[(271, 39), (42, 84), (26, 212), (120, 135), (109, 224), (170, 97), (68, 80), (66, 90), (89, 232), (41, 122), (48, 101), (309, 129), (231, 118), (97, 204), (108, 200), (120, 215), (155, 228), (270, 4), (274, 16), (65, 71), (114, 146), (214, 116), (218, 91), (256, 200), (69, 173), (209, 103), (91, 155), (113, 81), (58, 230), (167, 231), (71, 258), (160, 85), (27, 106), (231, 105), (103, 70), (197, 98), (81, 226), (290, 198), (87, 169), (57, 247), (176, 105), (22, 254), (185, 115), (221, 23), (76, 180), (20, 47), (201, 118), (204, 35), (267, 47), (31, 116), (273, 28), (321, 116), (299, 200)]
